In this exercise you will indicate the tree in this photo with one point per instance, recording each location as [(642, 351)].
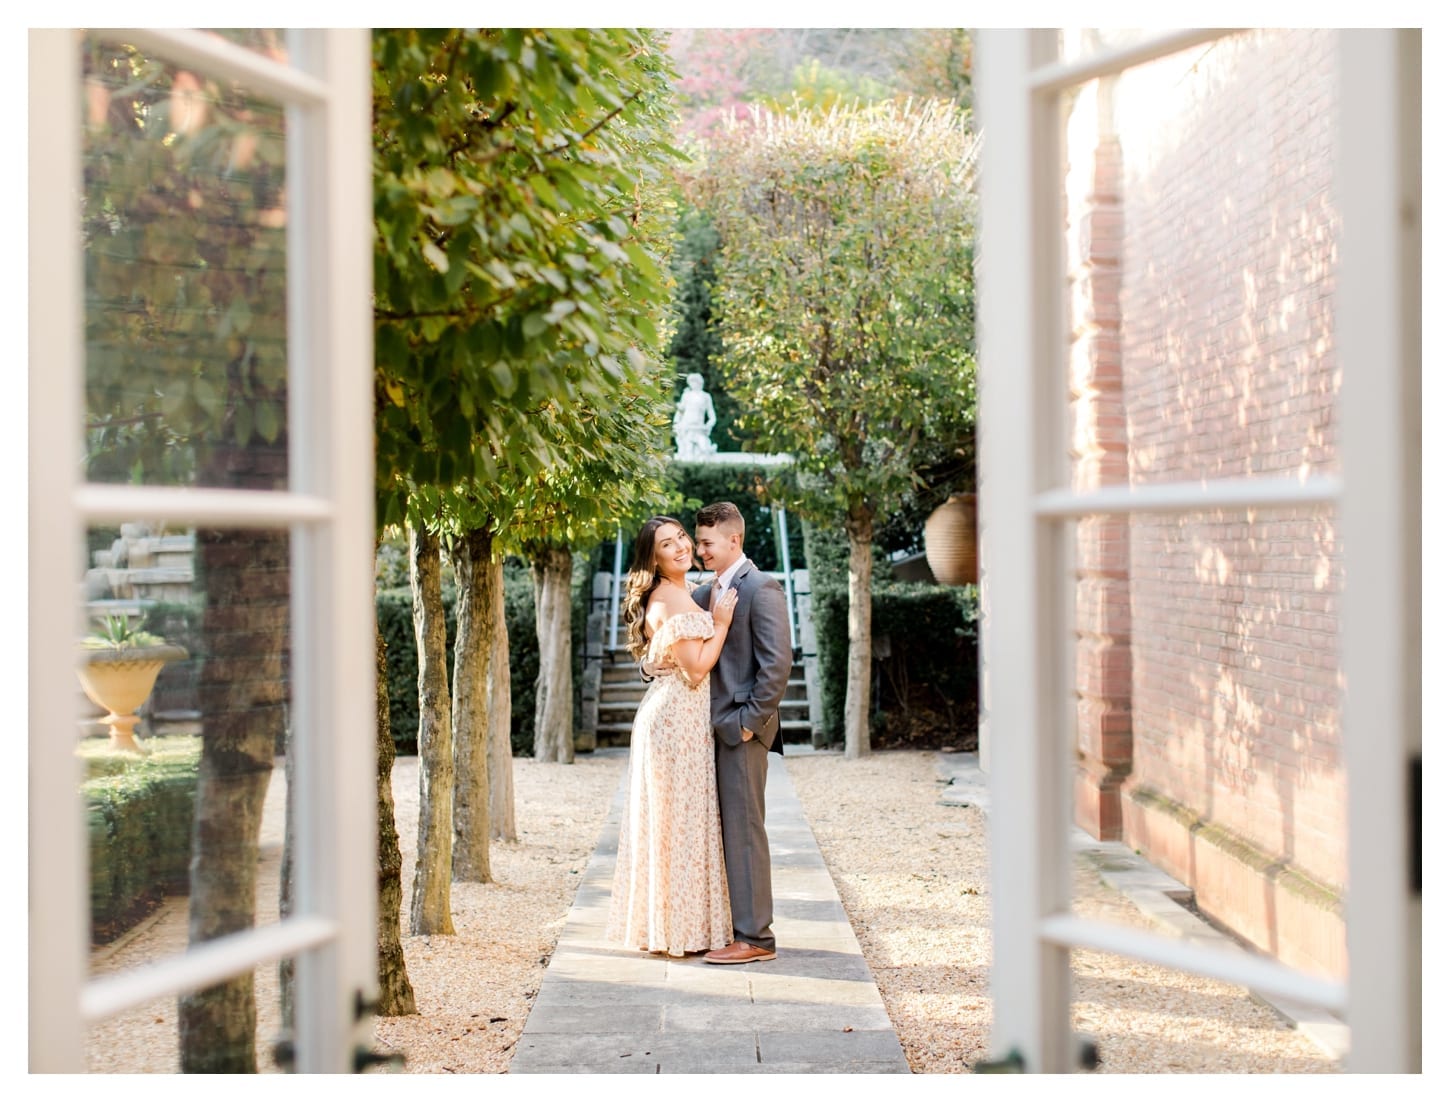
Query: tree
[(508, 178), (430, 911), (936, 62), (476, 681), (509, 173), (844, 302), (501, 822), (396, 990)]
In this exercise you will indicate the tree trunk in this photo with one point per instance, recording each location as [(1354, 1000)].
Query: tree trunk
[(554, 702), (472, 659), (858, 655), (395, 990), (431, 908), (287, 967), (242, 696), (500, 712)]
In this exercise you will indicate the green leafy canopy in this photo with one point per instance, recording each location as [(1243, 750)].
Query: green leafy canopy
[(520, 273), (844, 293)]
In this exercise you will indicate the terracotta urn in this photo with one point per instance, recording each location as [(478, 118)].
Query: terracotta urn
[(119, 679), (951, 540)]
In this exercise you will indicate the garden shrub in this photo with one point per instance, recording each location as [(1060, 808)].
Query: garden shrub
[(395, 621), (924, 666), (395, 624), (139, 813)]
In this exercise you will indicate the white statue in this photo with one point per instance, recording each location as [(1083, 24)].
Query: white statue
[(694, 418)]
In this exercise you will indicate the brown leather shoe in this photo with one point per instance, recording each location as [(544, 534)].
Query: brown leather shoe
[(739, 952)]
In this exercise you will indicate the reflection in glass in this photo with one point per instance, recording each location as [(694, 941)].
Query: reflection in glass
[(269, 42), (1082, 43), (184, 215), (1208, 777), (187, 829), (1206, 250)]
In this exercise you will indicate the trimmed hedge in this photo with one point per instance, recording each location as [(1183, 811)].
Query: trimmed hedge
[(139, 812), (924, 668), (395, 624), (395, 620)]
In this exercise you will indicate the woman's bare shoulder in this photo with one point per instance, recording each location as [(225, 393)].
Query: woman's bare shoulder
[(667, 601)]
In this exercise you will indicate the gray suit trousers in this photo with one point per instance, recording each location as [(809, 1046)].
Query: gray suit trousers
[(740, 775), (746, 687)]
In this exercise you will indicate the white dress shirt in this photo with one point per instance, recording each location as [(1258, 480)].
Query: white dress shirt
[(722, 580), (721, 583)]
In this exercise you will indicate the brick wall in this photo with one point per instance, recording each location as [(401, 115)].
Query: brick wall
[(1099, 454), (1228, 370)]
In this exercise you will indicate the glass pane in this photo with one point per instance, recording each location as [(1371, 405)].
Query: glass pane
[(1080, 43), (184, 214), (183, 697), (269, 42), (1208, 782), (1203, 251), (147, 1039), (1145, 1018)]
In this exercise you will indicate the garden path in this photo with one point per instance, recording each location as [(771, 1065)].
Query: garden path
[(815, 1008)]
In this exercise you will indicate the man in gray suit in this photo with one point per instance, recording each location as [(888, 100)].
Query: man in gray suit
[(746, 687)]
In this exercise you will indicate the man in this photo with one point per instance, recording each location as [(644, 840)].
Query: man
[(746, 688)]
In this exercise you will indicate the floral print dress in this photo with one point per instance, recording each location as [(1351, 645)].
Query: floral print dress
[(670, 893)]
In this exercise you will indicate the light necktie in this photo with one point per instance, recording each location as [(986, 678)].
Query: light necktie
[(714, 594)]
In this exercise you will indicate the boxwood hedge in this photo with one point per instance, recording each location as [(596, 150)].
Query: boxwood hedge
[(139, 812)]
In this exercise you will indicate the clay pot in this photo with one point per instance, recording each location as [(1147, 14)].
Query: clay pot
[(951, 540)]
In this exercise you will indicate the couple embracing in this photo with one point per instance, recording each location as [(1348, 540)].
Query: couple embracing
[(693, 871)]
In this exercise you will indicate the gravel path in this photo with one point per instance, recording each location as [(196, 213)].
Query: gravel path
[(914, 878), (912, 875)]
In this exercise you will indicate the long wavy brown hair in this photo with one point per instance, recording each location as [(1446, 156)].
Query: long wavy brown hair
[(641, 582)]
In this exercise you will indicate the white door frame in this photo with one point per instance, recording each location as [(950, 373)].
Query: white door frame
[(327, 508), (1028, 507)]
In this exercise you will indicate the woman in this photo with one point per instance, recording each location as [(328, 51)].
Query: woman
[(670, 893)]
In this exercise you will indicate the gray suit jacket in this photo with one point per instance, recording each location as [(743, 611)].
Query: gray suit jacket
[(749, 680)]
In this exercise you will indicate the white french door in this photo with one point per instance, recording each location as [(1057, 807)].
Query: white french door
[(317, 85), (1029, 505)]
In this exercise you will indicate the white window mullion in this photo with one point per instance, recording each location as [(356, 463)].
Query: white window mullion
[(201, 966), (1378, 316), (331, 417), (1187, 497), (218, 58), (217, 508), (58, 897), (1242, 968), (1020, 386), (1062, 76)]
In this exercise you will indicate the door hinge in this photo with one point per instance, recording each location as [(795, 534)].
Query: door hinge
[(1088, 1058), (1011, 1064), (1414, 838), (364, 1058)]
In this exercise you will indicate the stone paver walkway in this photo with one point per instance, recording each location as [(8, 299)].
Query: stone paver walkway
[(814, 1009)]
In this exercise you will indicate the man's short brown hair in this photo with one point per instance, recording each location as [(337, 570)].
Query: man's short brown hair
[(722, 514)]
